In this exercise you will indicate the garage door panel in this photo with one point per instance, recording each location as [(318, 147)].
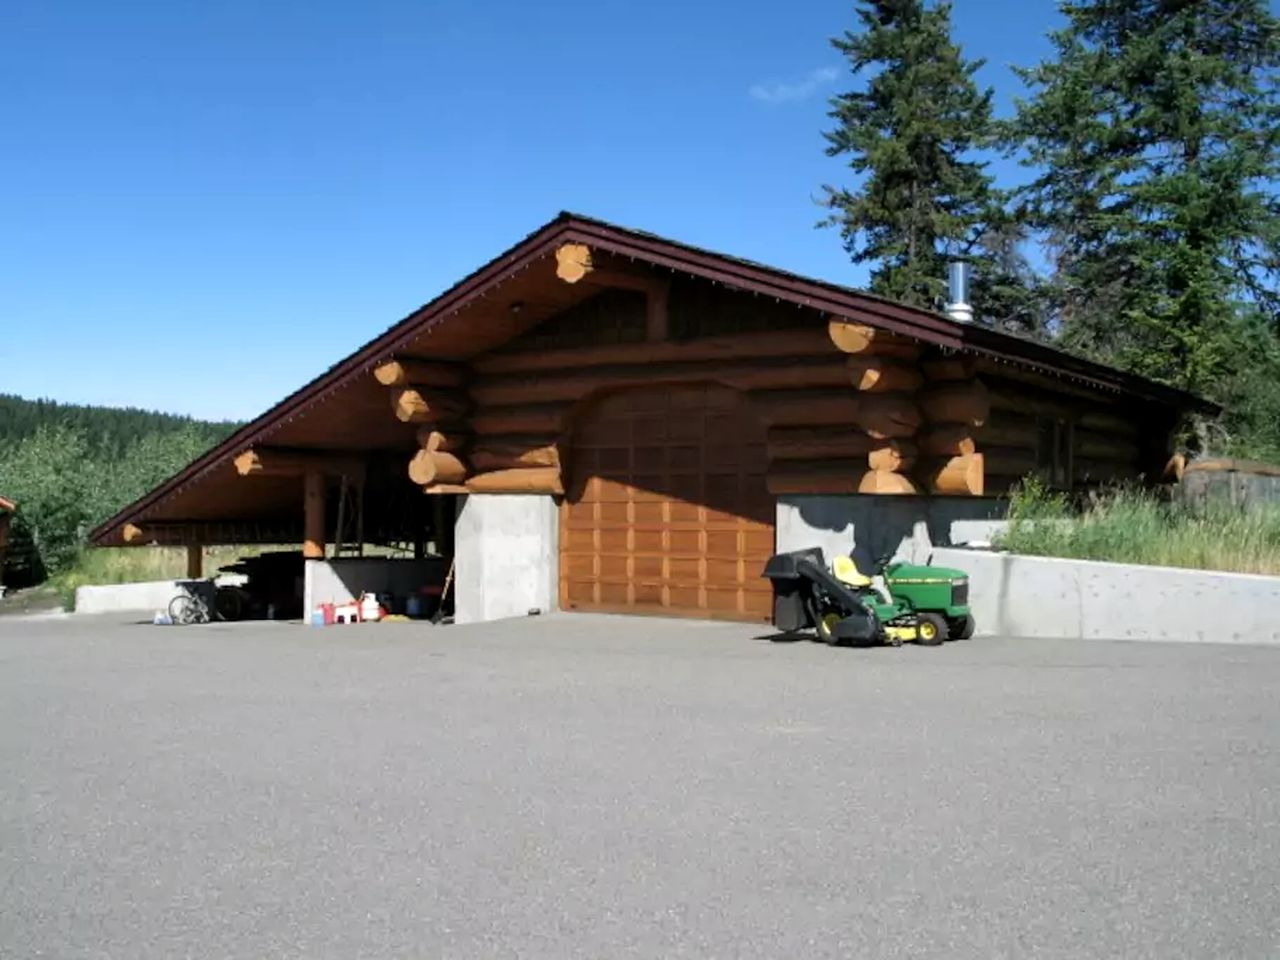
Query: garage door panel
[(674, 516), (649, 513), (723, 543), (685, 569), (684, 598), (579, 566), (649, 431), (685, 459), (615, 568), (647, 489), (612, 541), (759, 543), (614, 513), (724, 571), (647, 568), (685, 541), (647, 541), (682, 512), (614, 594), (684, 429), (648, 593)]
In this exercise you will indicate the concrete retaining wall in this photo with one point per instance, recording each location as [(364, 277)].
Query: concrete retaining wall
[(148, 597), (1014, 595), (508, 556), (869, 527)]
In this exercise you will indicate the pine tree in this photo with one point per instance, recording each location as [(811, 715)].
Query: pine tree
[(1155, 129), (909, 133)]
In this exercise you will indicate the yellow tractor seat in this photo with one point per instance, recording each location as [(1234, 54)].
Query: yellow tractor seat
[(846, 571)]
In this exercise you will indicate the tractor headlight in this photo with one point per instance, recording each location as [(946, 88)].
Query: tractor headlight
[(960, 592)]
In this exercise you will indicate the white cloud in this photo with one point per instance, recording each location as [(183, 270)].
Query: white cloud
[(795, 90)]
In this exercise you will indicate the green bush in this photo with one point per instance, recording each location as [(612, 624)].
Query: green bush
[(1138, 526)]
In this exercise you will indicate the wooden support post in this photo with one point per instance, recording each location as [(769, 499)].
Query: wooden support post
[(313, 516), (195, 562)]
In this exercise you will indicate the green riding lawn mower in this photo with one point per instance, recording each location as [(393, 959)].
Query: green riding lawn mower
[(903, 603)]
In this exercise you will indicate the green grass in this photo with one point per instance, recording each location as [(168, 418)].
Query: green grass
[(104, 565), (1137, 526)]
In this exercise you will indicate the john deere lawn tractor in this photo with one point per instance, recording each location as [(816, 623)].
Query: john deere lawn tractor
[(843, 605)]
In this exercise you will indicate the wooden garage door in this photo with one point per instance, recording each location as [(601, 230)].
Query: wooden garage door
[(667, 510)]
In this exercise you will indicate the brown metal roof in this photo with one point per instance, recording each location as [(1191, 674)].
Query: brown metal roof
[(828, 298)]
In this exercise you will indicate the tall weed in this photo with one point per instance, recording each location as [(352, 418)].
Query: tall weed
[(1128, 525)]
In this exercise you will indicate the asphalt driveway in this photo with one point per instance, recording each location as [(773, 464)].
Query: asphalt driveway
[(584, 786)]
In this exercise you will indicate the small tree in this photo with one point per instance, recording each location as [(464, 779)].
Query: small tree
[(909, 133)]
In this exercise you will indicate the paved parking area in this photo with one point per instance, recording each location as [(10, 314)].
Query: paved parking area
[(584, 786)]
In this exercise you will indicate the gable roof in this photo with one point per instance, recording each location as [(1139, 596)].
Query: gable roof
[(829, 298)]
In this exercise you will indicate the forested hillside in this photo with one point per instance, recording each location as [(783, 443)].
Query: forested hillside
[(69, 467), (107, 429)]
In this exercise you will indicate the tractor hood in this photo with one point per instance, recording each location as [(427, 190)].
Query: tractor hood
[(919, 573)]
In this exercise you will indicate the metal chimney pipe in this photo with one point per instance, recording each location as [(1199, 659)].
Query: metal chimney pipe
[(958, 308)]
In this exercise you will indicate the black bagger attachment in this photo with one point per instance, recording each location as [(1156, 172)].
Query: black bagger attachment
[(802, 587)]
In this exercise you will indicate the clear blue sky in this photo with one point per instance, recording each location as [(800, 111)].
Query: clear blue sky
[(203, 205)]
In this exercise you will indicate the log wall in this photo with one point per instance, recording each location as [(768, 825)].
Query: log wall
[(848, 408)]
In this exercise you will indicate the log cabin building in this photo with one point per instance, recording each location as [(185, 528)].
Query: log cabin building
[(602, 419)]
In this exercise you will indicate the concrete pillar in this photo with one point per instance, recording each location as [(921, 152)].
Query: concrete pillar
[(507, 556), (195, 562)]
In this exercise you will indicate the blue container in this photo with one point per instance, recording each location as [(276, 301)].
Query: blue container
[(317, 618), (413, 606)]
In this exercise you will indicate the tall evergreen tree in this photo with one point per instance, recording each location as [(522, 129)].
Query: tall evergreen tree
[(1155, 128), (909, 132)]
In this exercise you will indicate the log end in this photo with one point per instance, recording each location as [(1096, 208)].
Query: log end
[(963, 475), (390, 374), (573, 262), (882, 482)]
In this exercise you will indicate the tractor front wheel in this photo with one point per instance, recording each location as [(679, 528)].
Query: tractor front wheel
[(961, 628), (931, 630)]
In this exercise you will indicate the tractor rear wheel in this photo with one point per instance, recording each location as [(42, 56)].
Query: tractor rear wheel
[(961, 628), (931, 630)]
